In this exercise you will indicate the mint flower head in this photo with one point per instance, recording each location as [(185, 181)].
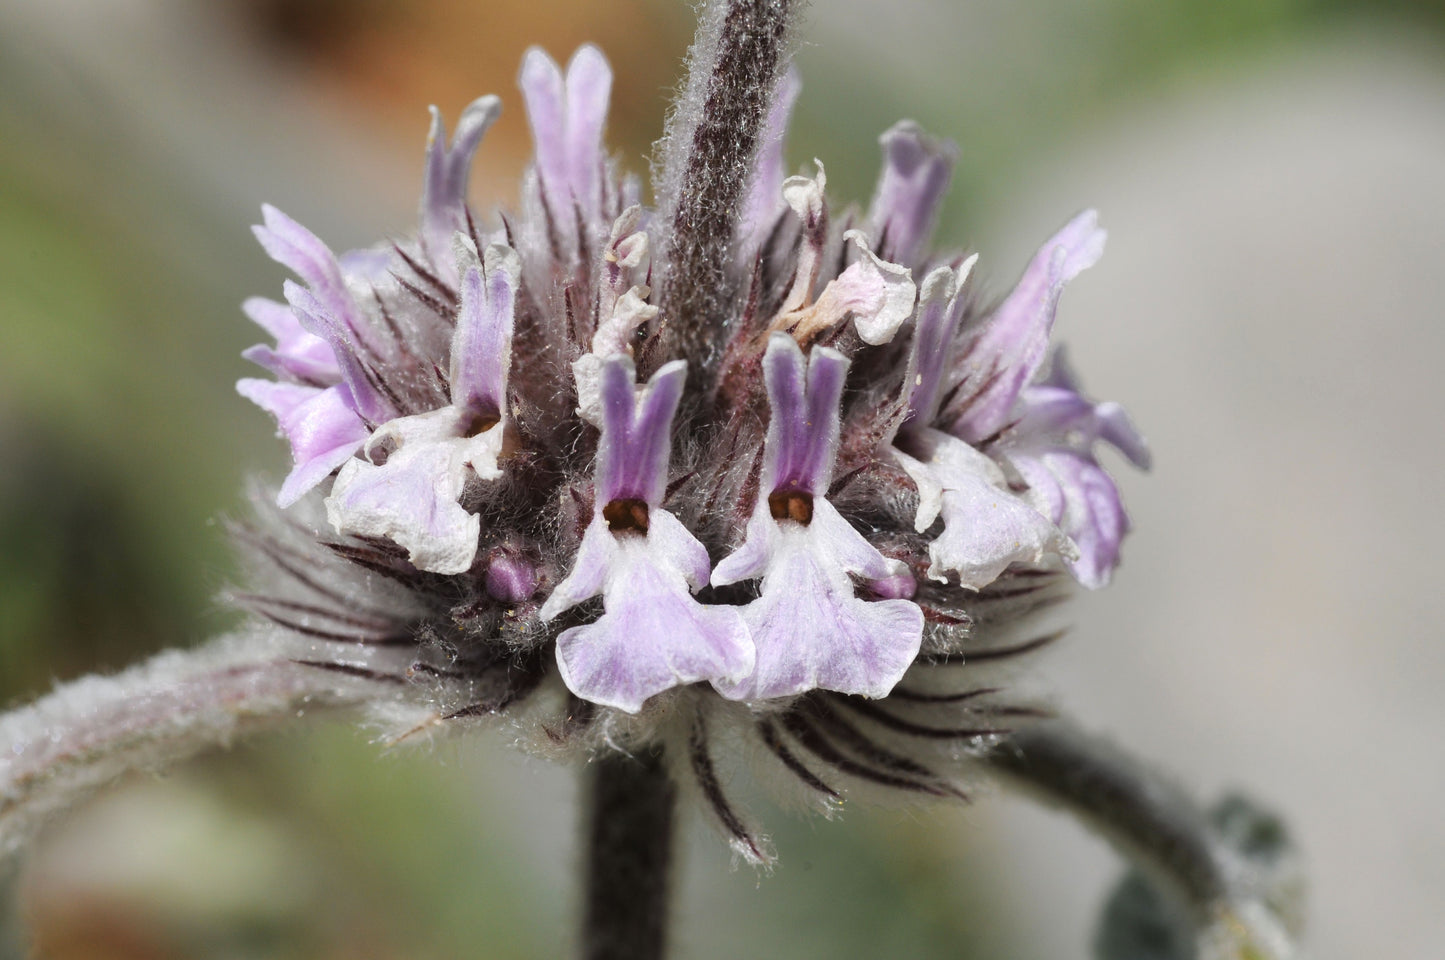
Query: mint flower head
[(813, 500), (730, 484)]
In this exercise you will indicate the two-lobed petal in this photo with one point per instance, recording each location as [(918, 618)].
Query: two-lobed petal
[(653, 635), (568, 115), (810, 629)]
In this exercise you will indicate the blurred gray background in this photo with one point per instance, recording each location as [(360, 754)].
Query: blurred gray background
[(1272, 174)]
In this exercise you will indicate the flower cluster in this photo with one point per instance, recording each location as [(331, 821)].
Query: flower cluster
[(861, 480)]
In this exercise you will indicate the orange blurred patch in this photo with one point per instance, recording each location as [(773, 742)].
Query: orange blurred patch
[(389, 61)]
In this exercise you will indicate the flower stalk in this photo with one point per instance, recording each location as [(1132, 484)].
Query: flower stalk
[(1217, 892), (629, 836), (83, 735)]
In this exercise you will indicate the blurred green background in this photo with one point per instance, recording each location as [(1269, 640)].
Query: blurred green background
[(137, 141)]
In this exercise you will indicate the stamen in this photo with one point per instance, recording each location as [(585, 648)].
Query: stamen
[(794, 505), (628, 515), (480, 423)]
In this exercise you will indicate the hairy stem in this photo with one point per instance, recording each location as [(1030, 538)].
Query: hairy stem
[(1156, 826), (59, 749), (629, 858), (709, 153)]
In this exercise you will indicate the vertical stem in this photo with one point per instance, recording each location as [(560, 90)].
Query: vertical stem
[(629, 858), (711, 148)]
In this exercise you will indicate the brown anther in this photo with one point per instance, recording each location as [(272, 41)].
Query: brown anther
[(794, 505), (480, 423), (628, 515)]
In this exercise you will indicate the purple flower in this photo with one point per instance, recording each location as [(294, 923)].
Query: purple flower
[(1045, 432), (1003, 355), (293, 246), (916, 172), (765, 197), (448, 168), (568, 116), (1052, 448), (986, 527), (299, 355), (321, 426), (810, 629), (409, 486), (545, 427), (652, 635)]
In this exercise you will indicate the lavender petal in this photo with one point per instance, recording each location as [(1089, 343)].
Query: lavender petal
[(314, 317), (411, 498), (636, 444), (764, 202), (811, 632), (1008, 350), (567, 117), (803, 398), (293, 246), (596, 554), (652, 636), (917, 169), (321, 426), (482, 345), (369, 264), (448, 169), (986, 527), (1079, 496), (940, 308), (589, 88), (299, 355), (1052, 448)]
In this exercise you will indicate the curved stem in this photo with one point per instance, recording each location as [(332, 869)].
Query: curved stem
[(1219, 891), (56, 751), (629, 858)]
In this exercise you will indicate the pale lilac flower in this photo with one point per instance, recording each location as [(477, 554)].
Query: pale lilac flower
[(810, 630), (765, 193), (444, 190), (986, 527), (916, 171), (321, 426), (299, 355), (409, 486), (1052, 448), (1003, 355), (568, 116), (652, 635)]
